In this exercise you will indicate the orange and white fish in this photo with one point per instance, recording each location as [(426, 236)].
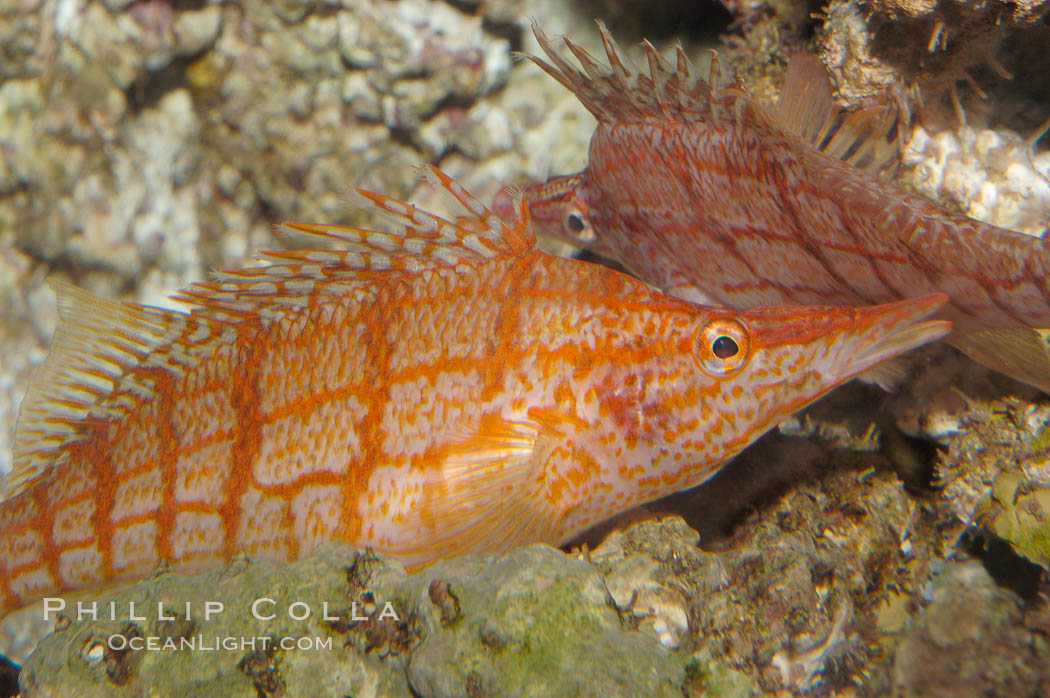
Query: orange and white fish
[(702, 191), (439, 389)]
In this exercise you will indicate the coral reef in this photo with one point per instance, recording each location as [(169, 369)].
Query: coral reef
[(970, 640), (841, 586), (343, 622), (990, 175), (954, 58), (1018, 511), (145, 142)]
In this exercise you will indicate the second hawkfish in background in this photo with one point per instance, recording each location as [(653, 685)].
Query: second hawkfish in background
[(699, 189)]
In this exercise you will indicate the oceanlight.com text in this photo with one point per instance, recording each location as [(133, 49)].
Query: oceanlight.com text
[(198, 643)]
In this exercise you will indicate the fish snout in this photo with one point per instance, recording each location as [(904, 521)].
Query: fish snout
[(865, 336), (884, 331), (836, 343)]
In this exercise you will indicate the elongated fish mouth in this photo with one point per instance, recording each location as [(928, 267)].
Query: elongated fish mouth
[(896, 328)]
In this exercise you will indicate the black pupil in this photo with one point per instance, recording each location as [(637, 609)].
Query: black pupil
[(575, 222), (724, 347)]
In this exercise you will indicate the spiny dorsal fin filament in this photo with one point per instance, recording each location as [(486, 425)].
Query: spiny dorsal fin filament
[(620, 93), (421, 240)]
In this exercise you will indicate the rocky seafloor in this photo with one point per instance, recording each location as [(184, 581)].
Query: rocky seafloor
[(880, 544)]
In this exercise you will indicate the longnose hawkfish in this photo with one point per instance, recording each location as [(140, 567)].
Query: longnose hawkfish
[(439, 389), (699, 189)]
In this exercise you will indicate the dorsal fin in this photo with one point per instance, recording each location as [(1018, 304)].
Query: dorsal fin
[(807, 102), (96, 343), (90, 370), (421, 241), (619, 92), (867, 138)]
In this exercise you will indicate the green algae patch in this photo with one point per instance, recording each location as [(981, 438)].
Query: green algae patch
[(704, 677), (1019, 512), (538, 623), (1041, 442)]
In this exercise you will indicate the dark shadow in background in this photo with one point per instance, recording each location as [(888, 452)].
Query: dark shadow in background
[(659, 20)]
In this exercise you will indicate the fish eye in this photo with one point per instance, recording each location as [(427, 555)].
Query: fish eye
[(579, 227), (723, 347)]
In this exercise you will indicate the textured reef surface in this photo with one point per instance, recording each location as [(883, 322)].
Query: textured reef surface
[(532, 622), (879, 544)]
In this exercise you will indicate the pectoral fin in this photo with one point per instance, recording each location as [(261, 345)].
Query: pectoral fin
[(887, 375), (1022, 354), (487, 495)]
